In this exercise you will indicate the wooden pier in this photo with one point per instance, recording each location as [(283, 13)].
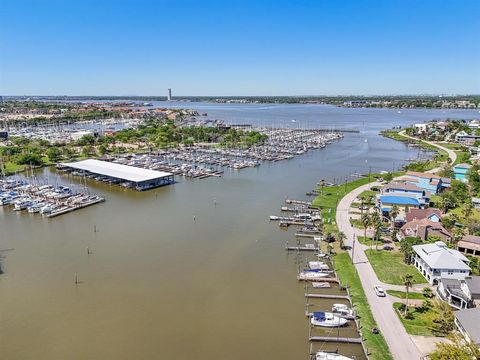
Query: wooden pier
[(73, 208), (302, 248), (305, 235), (326, 296), (344, 340), (325, 279)]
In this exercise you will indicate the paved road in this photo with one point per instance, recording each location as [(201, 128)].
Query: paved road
[(451, 154), (400, 343)]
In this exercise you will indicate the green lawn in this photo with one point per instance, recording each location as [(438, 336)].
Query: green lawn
[(11, 167), (462, 157), (390, 268), (375, 343), (357, 223), (421, 322), (403, 295)]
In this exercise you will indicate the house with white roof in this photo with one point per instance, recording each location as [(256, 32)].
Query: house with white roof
[(436, 260)]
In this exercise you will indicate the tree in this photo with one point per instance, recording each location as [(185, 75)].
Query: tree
[(458, 349), (53, 153), (474, 178), (458, 234), (388, 177), (394, 211), (443, 321), (427, 292), (468, 208), (341, 238), (102, 149), (366, 221), (447, 201), (376, 223), (408, 282), (406, 248)]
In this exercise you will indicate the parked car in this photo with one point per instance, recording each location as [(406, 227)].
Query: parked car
[(388, 247), (379, 291), (363, 207)]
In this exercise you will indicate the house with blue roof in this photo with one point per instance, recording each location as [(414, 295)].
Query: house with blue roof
[(461, 172), (386, 202), (426, 181)]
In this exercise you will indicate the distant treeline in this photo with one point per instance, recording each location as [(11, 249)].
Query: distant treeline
[(414, 100)]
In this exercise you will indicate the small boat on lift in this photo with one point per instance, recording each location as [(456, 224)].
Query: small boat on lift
[(342, 310)]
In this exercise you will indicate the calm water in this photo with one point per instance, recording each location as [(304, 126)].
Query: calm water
[(160, 285)]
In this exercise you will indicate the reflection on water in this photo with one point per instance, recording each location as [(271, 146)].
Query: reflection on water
[(160, 284)]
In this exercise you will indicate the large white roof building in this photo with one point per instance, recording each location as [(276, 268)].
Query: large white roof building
[(436, 260)]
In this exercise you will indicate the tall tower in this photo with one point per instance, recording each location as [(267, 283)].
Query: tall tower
[(169, 96)]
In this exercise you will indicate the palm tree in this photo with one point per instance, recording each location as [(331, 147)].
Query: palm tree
[(341, 238), (366, 221), (376, 223), (394, 211), (467, 210), (408, 282)]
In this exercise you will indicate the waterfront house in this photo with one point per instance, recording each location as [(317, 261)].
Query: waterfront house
[(426, 181), (432, 214), (455, 292), (425, 228), (467, 323), (470, 245), (461, 171), (400, 187), (463, 138), (436, 260), (403, 202)]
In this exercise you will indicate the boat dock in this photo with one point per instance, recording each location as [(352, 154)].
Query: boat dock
[(302, 248), (326, 279), (45, 199), (330, 339), (327, 296), (81, 206)]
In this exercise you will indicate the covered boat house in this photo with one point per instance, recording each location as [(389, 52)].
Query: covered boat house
[(125, 175)]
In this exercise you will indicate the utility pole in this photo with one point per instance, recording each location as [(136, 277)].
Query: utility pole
[(353, 250)]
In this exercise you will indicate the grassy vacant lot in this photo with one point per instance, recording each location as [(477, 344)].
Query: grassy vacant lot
[(390, 268), (403, 295), (375, 343), (420, 323)]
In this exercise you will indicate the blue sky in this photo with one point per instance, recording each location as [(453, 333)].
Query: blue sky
[(141, 47)]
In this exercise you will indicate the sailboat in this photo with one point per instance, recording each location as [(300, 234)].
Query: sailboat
[(326, 319)]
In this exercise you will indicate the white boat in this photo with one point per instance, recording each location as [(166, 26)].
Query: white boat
[(22, 205), (322, 355), (326, 319), (6, 200), (318, 265), (321, 285), (311, 275), (342, 310)]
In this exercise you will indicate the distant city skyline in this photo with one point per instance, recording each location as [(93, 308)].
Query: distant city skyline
[(239, 48)]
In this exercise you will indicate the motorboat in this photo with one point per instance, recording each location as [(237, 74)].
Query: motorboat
[(311, 275), (318, 265), (342, 310), (322, 355), (327, 319)]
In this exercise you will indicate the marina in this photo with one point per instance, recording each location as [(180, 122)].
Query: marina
[(47, 200), (150, 263)]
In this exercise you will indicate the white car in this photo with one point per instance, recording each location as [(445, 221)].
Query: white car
[(379, 291)]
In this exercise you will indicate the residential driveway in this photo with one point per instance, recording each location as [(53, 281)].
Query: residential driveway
[(399, 342)]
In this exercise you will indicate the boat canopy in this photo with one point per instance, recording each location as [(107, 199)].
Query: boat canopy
[(319, 315)]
